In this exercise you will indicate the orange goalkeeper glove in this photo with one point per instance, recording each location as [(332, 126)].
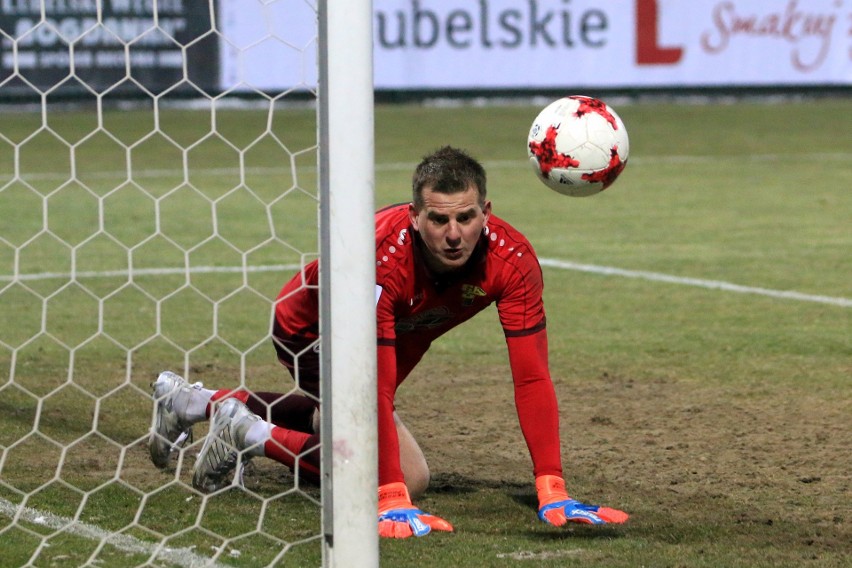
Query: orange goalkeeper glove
[(556, 508), (398, 518)]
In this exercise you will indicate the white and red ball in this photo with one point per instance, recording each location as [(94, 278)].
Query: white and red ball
[(578, 146)]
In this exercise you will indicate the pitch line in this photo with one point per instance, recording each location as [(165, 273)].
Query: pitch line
[(547, 262), (184, 557), (150, 272), (408, 166), (709, 284)]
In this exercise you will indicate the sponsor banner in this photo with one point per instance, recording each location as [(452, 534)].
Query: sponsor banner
[(92, 35), (432, 44), (523, 44), (588, 43)]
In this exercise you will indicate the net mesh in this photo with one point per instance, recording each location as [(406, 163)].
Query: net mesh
[(156, 190)]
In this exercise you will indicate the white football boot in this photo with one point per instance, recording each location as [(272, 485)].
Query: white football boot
[(225, 447), (169, 429)]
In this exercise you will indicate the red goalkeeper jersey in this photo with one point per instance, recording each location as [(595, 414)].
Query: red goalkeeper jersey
[(415, 306)]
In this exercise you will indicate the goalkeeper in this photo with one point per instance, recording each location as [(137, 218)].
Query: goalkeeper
[(440, 260)]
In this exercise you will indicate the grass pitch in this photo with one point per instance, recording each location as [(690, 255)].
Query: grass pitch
[(717, 416)]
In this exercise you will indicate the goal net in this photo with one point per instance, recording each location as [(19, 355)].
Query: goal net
[(165, 167)]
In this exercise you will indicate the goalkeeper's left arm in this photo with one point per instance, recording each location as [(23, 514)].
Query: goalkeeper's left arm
[(538, 414)]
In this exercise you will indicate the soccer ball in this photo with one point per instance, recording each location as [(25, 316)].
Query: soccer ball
[(578, 146)]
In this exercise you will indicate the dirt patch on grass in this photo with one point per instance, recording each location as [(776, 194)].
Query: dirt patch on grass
[(761, 466), (736, 475)]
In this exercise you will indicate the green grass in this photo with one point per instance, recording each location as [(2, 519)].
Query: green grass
[(719, 420)]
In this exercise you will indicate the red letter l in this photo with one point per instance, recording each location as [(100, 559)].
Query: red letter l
[(648, 52)]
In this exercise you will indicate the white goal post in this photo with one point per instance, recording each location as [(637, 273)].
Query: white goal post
[(348, 279)]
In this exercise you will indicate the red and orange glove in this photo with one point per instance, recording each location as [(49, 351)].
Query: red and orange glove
[(556, 508), (398, 518)]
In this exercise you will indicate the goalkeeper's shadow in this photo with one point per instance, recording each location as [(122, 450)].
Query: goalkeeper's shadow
[(576, 531), (523, 495), (458, 484)]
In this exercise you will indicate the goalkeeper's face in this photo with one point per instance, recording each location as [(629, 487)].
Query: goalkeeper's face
[(450, 225)]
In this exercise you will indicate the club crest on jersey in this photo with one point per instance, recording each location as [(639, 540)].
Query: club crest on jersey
[(469, 293)]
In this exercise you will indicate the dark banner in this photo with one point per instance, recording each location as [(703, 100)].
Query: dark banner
[(128, 46)]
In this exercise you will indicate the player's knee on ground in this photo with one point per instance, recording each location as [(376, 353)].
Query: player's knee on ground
[(417, 480), (413, 462)]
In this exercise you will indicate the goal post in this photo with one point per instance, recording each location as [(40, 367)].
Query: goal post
[(165, 168), (347, 277)]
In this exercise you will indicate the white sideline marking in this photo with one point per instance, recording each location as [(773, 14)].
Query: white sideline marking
[(180, 556), (545, 555), (408, 166), (548, 262), (710, 284), (150, 272)]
